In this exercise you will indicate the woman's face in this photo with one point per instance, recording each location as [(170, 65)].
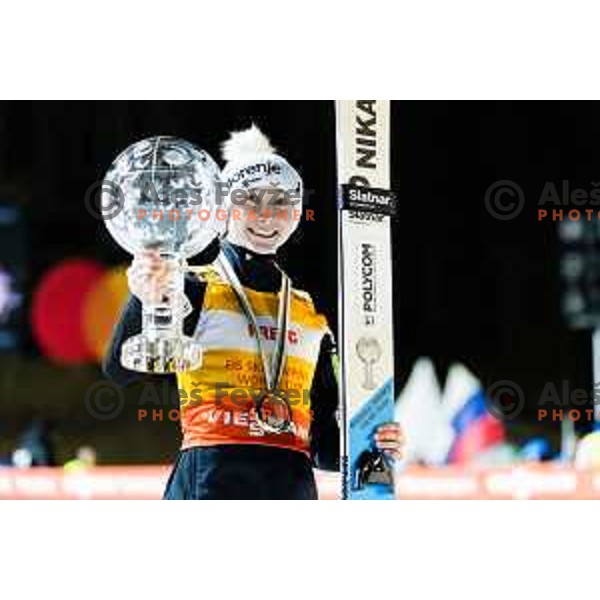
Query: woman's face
[(262, 221)]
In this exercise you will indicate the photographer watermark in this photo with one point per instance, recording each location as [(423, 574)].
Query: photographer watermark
[(505, 400), (105, 200), (505, 199), (561, 403), (222, 214), (104, 400)]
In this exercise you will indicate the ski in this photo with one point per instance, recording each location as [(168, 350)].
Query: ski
[(365, 205)]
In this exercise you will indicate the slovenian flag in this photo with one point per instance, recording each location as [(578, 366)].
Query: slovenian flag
[(476, 430)]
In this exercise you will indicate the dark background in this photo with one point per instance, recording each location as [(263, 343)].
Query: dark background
[(467, 286)]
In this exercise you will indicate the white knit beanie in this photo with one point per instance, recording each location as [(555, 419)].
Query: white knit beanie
[(251, 162)]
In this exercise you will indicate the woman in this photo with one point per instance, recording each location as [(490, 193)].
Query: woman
[(260, 413)]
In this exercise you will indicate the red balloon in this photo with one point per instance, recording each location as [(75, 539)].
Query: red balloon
[(57, 310)]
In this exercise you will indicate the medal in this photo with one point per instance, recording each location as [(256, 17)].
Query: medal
[(273, 411)]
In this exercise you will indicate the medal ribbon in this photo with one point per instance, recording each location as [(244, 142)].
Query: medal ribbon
[(274, 371)]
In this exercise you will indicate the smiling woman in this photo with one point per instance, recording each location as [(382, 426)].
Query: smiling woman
[(269, 194)]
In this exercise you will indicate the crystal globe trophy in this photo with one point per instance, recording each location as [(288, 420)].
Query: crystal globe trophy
[(164, 190)]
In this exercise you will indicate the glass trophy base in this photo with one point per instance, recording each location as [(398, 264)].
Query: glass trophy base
[(161, 354)]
